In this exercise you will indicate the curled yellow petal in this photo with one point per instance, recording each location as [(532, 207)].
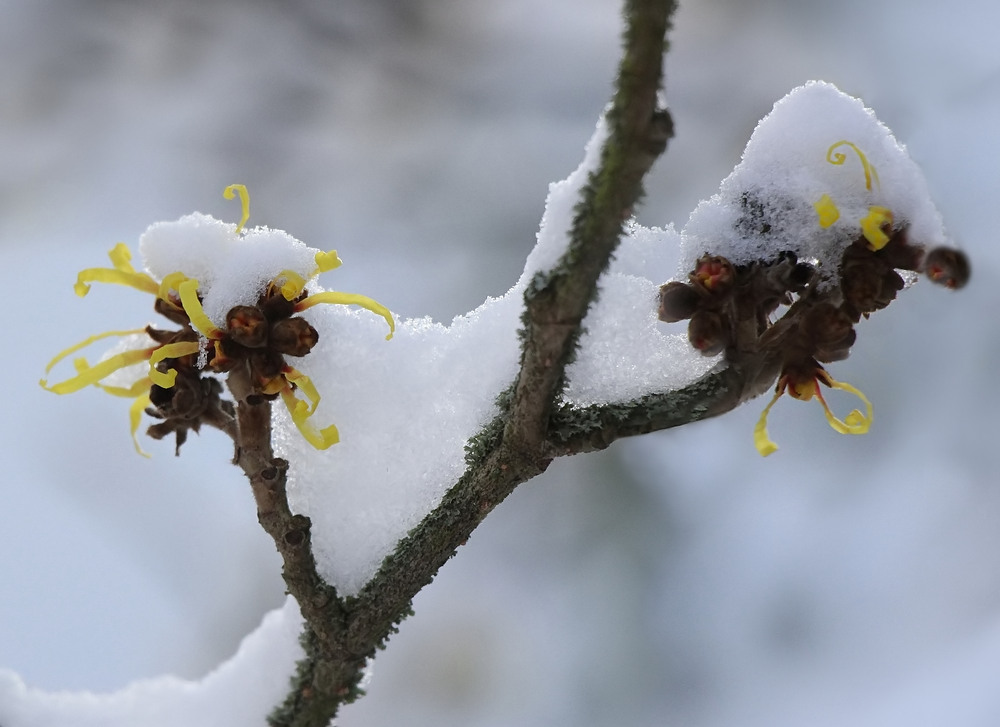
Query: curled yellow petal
[(231, 191), (139, 281), (170, 283), (294, 284), (761, 440), (300, 413), (127, 392), (840, 158), (872, 226), (86, 342), (165, 379), (121, 258), (336, 298), (188, 291), (855, 422), (327, 261), (135, 417), (88, 375), (304, 383), (827, 211)]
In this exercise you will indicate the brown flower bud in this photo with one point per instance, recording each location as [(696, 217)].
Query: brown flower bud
[(678, 301), (714, 274), (708, 333), (247, 326), (293, 336), (948, 267)]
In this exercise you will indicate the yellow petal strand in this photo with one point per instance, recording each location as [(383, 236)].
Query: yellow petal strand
[(274, 386), (165, 379), (872, 224), (135, 417), (92, 374), (137, 389), (306, 385), (293, 285), (760, 439), (231, 191), (121, 258), (840, 158), (86, 342), (827, 211), (327, 261), (139, 281), (170, 283), (300, 413), (335, 298), (856, 422), (188, 291)]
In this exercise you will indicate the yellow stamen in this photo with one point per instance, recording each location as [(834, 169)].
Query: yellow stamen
[(760, 438), (171, 350), (327, 261), (92, 374), (840, 158), (336, 298), (87, 341), (872, 226), (827, 211), (300, 413), (188, 291), (231, 191), (135, 417)]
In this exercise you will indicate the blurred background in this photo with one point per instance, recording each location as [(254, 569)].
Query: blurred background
[(675, 579)]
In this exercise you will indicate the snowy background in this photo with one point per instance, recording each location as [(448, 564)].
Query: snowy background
[(675, 579)]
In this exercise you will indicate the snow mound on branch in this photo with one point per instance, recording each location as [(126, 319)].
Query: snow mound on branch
[(817, 144), (242, 691), (406, 409)]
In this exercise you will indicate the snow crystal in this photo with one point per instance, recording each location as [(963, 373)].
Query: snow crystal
[(816, 141), (242, 691)]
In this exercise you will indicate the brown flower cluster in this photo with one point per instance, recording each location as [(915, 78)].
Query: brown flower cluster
[(730, 310), (256, 337)]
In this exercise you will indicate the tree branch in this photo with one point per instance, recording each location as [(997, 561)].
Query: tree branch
[(531, 428)]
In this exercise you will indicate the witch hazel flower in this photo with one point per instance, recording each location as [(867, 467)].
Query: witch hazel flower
[(805, 238), (234, 295)]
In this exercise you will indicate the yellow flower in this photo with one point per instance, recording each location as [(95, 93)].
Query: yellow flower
[(803, 384), (257, 337)]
